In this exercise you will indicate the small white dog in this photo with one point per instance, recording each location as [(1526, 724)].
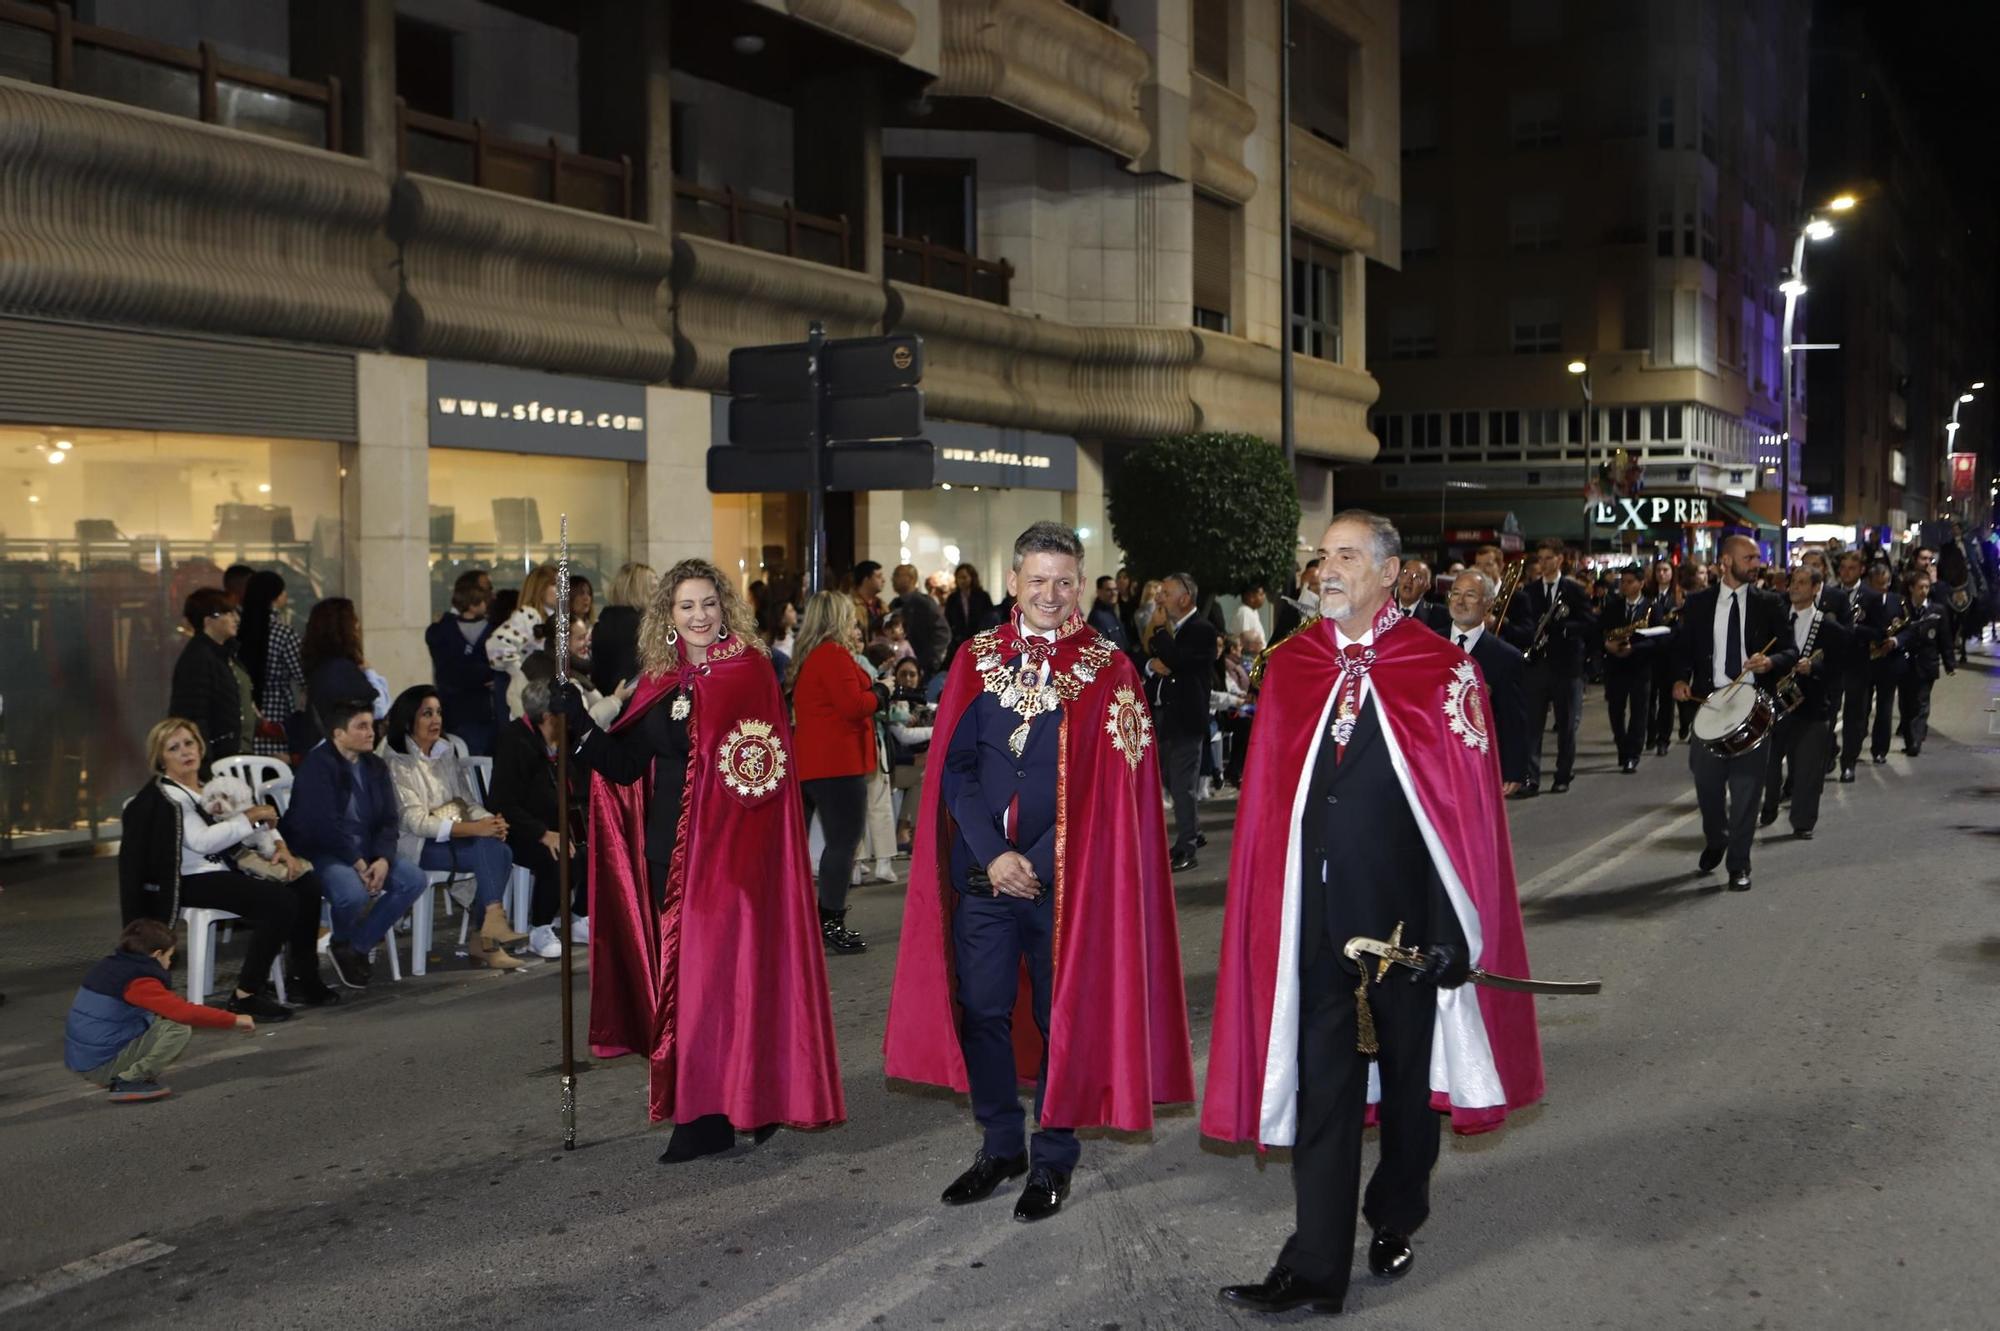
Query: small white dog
[(225, 797)]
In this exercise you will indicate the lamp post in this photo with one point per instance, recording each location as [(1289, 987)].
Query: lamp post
[(1951, 427), (1581, 369), (1815, 228)]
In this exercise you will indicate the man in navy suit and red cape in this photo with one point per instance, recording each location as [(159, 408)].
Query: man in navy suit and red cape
[(1371, 807), (1039, 939)]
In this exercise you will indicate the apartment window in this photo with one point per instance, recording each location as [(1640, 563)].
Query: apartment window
[(427, 66), (930, 198), (1420, 130), (1533, 22), (1544, 428), (1315, 300), (1412, 332), (1420, 225), (1503, 427), (1322, 58), (1464, 429), (1659, 422), (1427, 431), (1214, 225), (1537, 326), (1534, 222), (1212, 39), (1536, 118)]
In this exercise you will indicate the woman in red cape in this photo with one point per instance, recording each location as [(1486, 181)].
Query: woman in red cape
[(705, 951)]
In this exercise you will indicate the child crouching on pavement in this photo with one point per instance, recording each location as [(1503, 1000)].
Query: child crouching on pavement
[(126, 1027)]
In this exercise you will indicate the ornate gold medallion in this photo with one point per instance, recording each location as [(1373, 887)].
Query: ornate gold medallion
[(679, 711), (752, 761), (1130, 728)]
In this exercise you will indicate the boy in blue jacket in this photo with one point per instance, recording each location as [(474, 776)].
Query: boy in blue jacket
[(126, 1027), (344, 818)]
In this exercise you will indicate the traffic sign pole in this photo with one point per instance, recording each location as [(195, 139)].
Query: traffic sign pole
[(816, 460)]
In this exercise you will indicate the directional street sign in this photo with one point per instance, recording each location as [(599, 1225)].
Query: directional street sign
[(908, 464), (852, 365), (784, 422)]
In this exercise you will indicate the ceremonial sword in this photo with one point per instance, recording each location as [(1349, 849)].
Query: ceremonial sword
[(1414, 958), (562, 839)]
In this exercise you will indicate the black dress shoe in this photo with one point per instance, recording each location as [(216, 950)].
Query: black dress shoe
[(1281, 1291), (1803, 833), (987, 1173), (311, 991), (1847, 776), (1527, 791), (1200, 840), (710, 1134), (1389, 1255), (1661, 748), (1913, 750), (1740, 881), (1182, 859), (1043, 1196), (1559, 788), (1880, 760), (257, 1007), (1710, 857), (1766, 818)]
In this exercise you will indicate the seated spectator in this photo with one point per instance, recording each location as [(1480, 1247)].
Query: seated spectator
[(206, 689), (344, 818), (445, 829), (174, 857), (524, 796), (125, 1026), (614, 642), (459, 668), (524, 633), (336, 671)]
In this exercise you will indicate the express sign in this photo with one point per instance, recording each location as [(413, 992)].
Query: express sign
[(1629, 514)]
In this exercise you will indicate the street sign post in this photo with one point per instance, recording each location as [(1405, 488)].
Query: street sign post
[(823, 415)]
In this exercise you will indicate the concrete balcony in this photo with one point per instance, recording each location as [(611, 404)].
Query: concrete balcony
[(1235, 386), (727, 296), (1329, 193), (1218, 124), (883, 25), (491, 277), (118, 215), (1049, 62)]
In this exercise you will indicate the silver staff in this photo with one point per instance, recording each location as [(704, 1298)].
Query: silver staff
[(562, 837)]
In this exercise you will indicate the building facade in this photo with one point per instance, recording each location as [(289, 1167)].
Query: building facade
[(371, 291), (1615, 185)]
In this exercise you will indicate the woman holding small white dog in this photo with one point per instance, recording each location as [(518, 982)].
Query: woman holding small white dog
[(444, 825), (176, 854)]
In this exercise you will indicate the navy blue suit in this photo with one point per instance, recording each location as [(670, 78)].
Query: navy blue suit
[(993, 934)]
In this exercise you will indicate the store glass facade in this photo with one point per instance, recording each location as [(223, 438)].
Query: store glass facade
[(103, 533), (501, 512)]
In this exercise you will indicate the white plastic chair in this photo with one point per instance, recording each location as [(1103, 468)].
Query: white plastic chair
[(457, 746), (255, 770), (201, 922)]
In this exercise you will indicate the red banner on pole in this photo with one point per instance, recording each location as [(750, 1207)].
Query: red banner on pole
[(1964, 474)]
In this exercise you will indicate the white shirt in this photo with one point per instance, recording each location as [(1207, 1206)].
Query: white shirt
[(1467, 639), (1248, 621), (1728, 596), (1802, 622), (1027, 633)]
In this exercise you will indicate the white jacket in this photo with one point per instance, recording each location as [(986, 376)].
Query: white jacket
[(423, 786)]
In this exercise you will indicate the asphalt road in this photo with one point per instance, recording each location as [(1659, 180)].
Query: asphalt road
[(1777, 1115)]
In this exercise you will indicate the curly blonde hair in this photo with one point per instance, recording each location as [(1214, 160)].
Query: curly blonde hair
[(656, 648)]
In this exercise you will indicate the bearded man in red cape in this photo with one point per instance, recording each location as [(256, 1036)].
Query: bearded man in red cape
[(1039, 899), (1371, 807)]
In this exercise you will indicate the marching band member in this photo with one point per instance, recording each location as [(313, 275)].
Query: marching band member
[(1925, 646), (1663, 586), (1847, 600), (1472, 597), (1714, 651), (1803, 736), (1551, 623), (1628, 664), (1886, 623)]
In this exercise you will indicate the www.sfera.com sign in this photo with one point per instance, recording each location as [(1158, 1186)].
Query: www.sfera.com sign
[(521, 411)]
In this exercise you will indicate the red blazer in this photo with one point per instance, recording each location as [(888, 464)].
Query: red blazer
[(835, 708)]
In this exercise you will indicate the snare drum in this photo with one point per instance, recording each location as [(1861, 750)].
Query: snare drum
[(1735, 720)]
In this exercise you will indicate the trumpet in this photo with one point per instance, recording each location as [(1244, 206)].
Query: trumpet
[(1510, 582), (1878, 650)]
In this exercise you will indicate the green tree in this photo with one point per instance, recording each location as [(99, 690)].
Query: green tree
[(1221, 507)]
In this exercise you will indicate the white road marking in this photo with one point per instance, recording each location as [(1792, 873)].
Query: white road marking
[(112, 1260), (1591, 862)]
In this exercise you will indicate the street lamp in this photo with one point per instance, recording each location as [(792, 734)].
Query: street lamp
[(1814, 228), (1581, 369), (1951, 426)]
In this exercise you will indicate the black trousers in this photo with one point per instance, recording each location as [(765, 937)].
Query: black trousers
[(1913, 708), (1629, 695), (1856, 694), (1236, 727), (278, 915), (1729, 791), (1660, 726), (842, 804), (1885, 703), (1180, 773), (1799, 745), (1333, 1097), (991, 938), (1545, 689), (539, 860)]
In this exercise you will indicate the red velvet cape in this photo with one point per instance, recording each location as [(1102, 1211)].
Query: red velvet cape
[(724, 990), (1118, 1032), (1486, 1056)]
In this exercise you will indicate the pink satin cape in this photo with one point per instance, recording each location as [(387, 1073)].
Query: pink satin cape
[(1118, 1031), (1416, 678), (724, 990)]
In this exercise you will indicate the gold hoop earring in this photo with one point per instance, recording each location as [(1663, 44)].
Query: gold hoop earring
[(673, 636)]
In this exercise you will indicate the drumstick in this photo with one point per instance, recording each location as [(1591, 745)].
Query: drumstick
[(1759, 652)]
